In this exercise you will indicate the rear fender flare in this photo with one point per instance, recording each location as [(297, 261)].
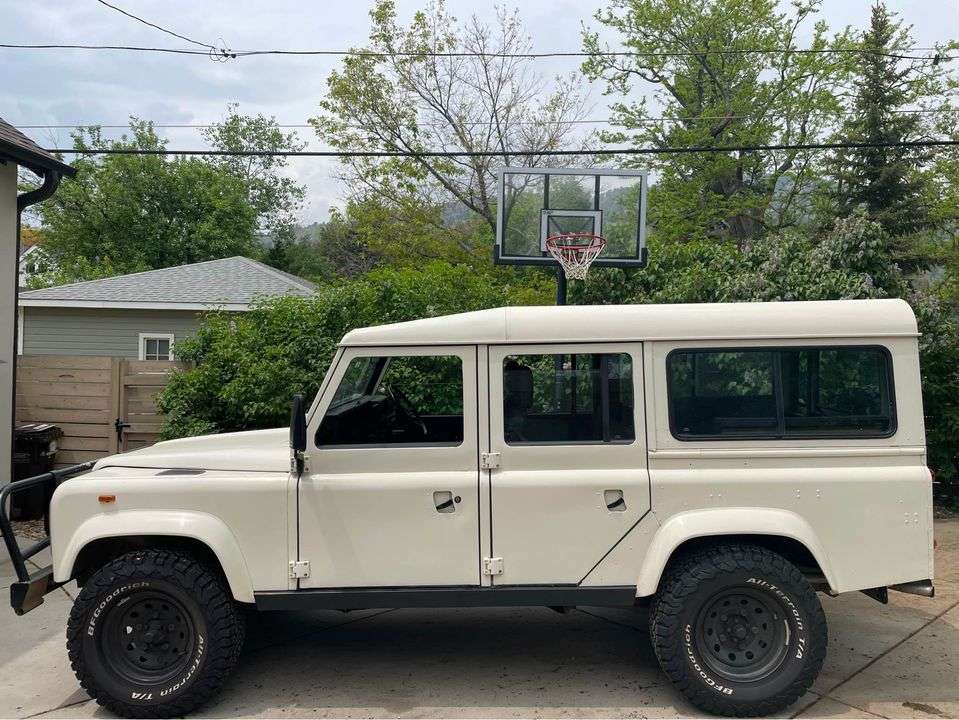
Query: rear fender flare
[(725, 521), (206, 528)]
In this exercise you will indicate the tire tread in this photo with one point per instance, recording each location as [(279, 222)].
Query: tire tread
[(225, 631), (682, 581)]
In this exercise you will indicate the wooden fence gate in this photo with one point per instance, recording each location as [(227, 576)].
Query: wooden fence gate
[(103, 405)]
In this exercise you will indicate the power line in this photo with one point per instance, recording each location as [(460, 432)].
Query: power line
[(585, 121), (604, 53), (139, 48), (905, 54), (154, 25), (512, 153)]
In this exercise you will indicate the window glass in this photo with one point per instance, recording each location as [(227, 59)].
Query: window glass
[(568, 398), (401, 400), (722, 393), (826, 392), (836, 391), (156, 348)]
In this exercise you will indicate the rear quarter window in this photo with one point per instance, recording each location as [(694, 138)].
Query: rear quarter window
[(781, 393)]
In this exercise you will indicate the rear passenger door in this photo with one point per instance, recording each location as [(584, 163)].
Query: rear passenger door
[(567, 423)]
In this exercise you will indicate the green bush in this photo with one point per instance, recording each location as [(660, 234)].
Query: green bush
[(248, 365)]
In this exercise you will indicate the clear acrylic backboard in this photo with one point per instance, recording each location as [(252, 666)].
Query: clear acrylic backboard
[(537, 203)]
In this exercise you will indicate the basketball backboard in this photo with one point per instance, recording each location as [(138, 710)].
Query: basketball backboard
[(536, 203)]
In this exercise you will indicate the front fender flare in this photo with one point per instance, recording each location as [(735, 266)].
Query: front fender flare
[(684, 526), (206, 528)]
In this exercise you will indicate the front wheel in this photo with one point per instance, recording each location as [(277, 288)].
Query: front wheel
[(153, 634), (738, 630)]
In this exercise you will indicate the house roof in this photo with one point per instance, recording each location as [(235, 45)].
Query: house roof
[(231, 284), (606, 323), (23, 151)]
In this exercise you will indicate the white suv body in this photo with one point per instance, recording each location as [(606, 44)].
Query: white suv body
[(566, 455)]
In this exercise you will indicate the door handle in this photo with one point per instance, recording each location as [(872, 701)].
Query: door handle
[(444, 501), (615, 502)]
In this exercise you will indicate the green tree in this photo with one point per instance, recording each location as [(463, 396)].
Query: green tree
[(712, 89), (400, 96), (894, 182), (124, 213), (272, 193)]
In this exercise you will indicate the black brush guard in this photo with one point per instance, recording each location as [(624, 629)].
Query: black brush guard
[(27, 593)]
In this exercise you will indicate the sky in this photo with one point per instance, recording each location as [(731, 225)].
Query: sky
[(49, 87)]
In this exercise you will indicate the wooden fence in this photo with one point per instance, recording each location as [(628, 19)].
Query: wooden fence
[(103, 405)]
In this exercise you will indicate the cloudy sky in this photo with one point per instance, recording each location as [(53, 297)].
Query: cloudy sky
[(76, 87)]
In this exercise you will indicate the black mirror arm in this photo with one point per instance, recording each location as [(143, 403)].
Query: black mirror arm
[(298, 430)]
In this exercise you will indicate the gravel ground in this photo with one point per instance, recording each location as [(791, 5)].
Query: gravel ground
[(30, 529)]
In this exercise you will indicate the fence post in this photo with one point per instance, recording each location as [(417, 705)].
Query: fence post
[(116, 402)]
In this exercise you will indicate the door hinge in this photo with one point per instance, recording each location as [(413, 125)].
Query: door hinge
[(299, 569), (489, 460), (492, 566)]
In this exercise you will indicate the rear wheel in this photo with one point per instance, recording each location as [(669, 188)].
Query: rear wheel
[(153, 634), (738, 630)]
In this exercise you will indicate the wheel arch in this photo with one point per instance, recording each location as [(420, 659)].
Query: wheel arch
[(781, 531), (102, 538)]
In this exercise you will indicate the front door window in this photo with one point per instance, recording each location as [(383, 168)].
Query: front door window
[(405, 400)]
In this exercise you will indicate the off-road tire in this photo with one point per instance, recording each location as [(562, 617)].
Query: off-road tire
[(695, 588), (141, 577)]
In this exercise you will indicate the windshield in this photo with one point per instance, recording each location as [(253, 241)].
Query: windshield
[(356, 381)]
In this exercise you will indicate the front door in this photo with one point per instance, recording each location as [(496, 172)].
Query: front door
[(572, 477), (389, 496)]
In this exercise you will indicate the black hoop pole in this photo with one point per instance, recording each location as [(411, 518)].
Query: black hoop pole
[(560, 285)]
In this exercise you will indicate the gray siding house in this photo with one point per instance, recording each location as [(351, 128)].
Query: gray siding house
[(141, 316)]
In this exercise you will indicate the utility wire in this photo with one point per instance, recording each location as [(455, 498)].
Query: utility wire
[(587, 121), (511, 153), (139, 48), (905, 54), (154, 25)]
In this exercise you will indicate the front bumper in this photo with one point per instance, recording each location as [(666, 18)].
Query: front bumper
[(28, 591), (28, 594)]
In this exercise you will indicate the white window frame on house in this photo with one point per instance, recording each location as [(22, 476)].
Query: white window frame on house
[(144, 336)]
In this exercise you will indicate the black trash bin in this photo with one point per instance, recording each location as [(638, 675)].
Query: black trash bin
[(34, 449)]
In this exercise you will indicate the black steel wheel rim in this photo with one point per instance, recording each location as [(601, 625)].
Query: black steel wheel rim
[(742, 634), (148, 638)]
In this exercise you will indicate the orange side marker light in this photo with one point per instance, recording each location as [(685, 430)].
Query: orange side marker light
[(106, 499)]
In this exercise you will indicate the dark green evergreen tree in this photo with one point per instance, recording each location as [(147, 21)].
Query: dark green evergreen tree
[(888, 180)]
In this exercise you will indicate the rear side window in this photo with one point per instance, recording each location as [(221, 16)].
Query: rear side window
[(568, 398), (722, 393), (841, 392)]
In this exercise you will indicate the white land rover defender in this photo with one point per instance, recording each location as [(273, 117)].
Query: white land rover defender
[(719, 463)]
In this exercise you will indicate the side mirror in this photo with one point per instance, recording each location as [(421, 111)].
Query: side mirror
[(297, 424)]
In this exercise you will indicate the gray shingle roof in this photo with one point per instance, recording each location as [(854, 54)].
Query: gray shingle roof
[(14, 144), (230, 281)]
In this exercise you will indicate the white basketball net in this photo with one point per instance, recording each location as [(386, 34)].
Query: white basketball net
[(575, 252)]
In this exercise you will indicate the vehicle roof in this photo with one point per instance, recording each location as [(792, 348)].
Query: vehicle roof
[(612, 323)]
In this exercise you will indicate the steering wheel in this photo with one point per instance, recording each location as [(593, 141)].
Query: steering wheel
[(401, 401)]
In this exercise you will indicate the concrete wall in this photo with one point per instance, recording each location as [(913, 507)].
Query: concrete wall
[(8, 312), (111, 333)]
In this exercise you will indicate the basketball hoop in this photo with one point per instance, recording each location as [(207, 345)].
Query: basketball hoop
[(575, 252)]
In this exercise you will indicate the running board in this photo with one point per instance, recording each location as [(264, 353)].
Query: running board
[(446, 596)]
